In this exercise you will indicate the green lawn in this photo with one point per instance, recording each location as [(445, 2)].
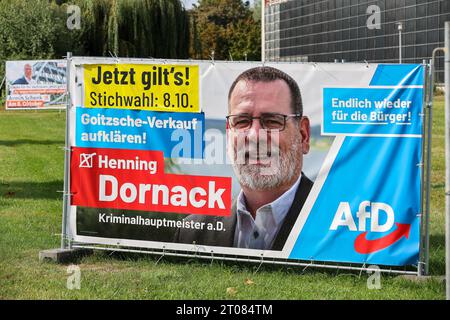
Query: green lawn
[(31, 174)]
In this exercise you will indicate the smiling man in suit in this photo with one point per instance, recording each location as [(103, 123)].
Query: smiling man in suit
[(265, 123), (27, 75)]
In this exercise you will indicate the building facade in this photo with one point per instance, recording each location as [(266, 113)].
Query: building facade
[(355, 30)]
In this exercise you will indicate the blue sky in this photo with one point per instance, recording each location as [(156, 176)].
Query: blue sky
[(188, 3)]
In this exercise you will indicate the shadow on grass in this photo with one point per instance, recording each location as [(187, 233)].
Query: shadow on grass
[(15, 143), (31, 190), (437, 254)]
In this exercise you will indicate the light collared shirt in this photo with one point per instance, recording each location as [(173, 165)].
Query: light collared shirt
[(259, 233)]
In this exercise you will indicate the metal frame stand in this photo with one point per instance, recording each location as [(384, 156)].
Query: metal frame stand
[(446, 50), (1, 84), (65, 253), (256, 260), (65, 242), (447, 158), (69, 249), (425, 165), (424, 267)]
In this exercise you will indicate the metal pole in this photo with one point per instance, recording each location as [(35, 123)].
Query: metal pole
[(429, 106), (424, 191), (1, 85), (399, 28), (66, 199), (447, 158), (263, 33)]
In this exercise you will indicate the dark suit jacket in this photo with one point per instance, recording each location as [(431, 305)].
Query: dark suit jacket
[(21, 81), (226, 238)]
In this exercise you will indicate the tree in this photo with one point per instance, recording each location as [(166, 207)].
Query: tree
[(132, 28), (245, 41), (226, 27), (257, 10), (136, 28), (27, 31), (128, 28)]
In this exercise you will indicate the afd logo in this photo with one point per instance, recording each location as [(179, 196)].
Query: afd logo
[(382, 219)]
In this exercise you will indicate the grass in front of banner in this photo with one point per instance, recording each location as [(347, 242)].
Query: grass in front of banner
[(31, 174)]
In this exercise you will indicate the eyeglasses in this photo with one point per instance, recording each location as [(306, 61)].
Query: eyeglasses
[(268, 121)]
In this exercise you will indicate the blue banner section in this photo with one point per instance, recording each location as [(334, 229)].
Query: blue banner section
[(368, 208), (177, 135), (398, 75), (370, 111)]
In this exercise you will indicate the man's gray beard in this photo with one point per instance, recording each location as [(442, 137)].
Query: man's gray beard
[(272, 175)]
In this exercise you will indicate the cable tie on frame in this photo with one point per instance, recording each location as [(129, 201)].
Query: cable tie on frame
[(113, 55), (66, 193), (307, 266), (162, 256), (212, 57), (260, 264), (363, 268), (421, 262), (197, 248)]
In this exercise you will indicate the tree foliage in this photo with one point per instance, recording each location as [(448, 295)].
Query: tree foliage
[(228, 28), (27, 30), (135, 28), (128, 28)]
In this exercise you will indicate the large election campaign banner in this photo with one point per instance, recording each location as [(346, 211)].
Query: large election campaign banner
[(177, 155), (36, 84)]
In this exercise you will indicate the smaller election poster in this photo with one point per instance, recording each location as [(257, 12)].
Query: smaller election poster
[(36, 84)]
